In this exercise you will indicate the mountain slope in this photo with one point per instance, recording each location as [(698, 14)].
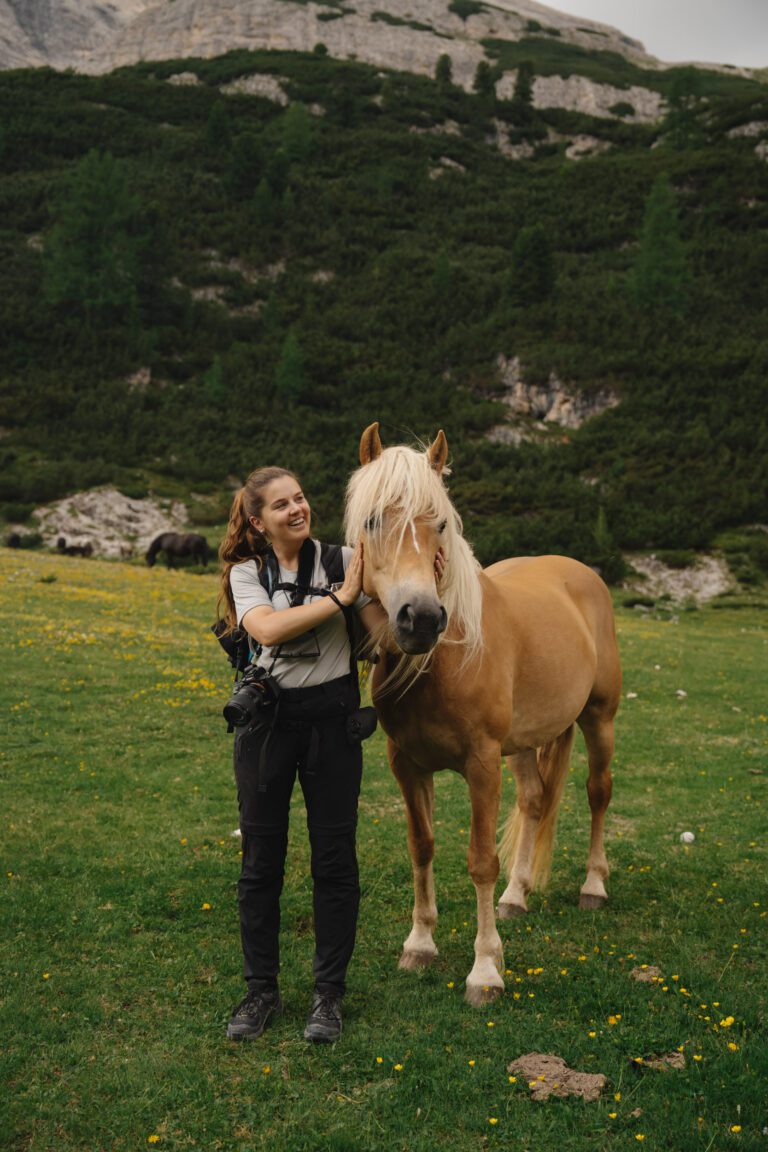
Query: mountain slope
[(210, 264)]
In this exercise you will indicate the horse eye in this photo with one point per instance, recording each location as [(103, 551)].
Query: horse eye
[(372, 523), (441, 527)]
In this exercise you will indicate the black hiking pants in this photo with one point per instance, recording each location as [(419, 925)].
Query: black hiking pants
[(308, 738)]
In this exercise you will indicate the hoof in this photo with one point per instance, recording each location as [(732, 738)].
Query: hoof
[(509, 911), (590, 903), (413, 961), (485, 994)]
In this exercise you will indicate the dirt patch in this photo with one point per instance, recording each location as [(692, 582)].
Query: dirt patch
[(549, 1075), (660, 1063), (115, 525), (646, 974)]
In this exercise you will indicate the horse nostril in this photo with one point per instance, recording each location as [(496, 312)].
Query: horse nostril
[(405, 618), (443, 620)]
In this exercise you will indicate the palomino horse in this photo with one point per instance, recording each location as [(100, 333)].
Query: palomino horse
[(501, 662), (178, 544)]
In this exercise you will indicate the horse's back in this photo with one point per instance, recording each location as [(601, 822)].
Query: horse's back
[(525, 578)]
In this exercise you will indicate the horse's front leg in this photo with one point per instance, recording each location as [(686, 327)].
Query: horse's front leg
[(417, 788), (483, 776)]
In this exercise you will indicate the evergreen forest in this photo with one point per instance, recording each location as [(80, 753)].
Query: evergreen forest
[(194, 282)]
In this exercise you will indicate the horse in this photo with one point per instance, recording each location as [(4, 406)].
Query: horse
[(74, 549), (496, 662), (175, 544)]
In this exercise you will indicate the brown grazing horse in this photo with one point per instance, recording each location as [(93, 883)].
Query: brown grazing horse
[(500, 662), (176, 544)]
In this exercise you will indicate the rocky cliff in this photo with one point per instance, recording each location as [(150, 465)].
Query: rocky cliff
[(96, 36)]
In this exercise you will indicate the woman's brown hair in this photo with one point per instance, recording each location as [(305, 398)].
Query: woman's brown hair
[(242, 541)]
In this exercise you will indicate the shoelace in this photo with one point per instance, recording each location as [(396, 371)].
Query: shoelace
[(254, 1003), (327, 1008)]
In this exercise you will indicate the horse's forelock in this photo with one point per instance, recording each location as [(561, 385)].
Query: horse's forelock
[(402, 485), (399, 482)]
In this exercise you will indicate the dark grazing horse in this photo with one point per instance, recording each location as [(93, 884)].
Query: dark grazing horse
[(175, 544), (74, 549)]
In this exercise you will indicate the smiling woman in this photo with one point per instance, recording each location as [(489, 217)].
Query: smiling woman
[(275, 587)]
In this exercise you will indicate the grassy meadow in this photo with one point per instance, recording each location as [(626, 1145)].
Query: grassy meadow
[(120, 953)]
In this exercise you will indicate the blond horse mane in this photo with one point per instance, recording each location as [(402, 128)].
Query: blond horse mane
[(402, 484)]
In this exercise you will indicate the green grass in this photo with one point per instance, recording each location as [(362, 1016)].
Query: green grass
[(120, 955)]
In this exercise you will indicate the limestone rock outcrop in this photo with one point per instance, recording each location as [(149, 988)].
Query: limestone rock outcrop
[(534, 406), (98, 35)]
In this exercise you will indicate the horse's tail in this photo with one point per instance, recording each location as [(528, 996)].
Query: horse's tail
[(552, 761)]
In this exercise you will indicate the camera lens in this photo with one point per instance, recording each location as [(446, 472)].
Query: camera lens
[(236, 714)]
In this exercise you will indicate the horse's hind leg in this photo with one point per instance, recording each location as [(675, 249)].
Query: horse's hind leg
[(597, 726), (417, 788), (519, 837)]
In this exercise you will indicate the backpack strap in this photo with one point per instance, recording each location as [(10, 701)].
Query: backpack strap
[(332, 560), (269, 572)]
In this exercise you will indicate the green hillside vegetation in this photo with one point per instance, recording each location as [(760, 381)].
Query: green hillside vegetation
[(289, 276)]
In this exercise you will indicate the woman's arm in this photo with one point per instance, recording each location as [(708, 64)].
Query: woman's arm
[(269, 627)]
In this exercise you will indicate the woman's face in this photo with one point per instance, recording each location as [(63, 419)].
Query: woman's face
[(285, 517)]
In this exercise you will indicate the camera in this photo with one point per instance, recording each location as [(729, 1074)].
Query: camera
[(250, 697)]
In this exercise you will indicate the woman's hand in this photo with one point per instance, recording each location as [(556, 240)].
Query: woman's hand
[(439, 565), (353, 578)]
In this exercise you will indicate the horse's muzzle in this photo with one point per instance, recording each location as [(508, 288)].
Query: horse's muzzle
[(418, 626)]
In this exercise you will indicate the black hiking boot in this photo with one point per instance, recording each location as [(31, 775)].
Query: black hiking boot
[(252, 1014), (324, 1020)]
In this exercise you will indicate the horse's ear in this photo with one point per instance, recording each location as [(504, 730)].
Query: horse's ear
[(437, 453), (370, 444)]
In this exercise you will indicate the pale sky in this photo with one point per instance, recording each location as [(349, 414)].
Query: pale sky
[(711, 31)]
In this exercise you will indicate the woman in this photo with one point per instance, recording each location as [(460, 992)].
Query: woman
[(305, 650)]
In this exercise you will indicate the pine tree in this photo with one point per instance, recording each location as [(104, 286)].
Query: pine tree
[(522, 100), (685, 101), (297, 133), (444, 74), (218, 136), (92, 257), (533, 266), (290, 379), (263, 208), (484, 85), (660, 276), (244, 166)]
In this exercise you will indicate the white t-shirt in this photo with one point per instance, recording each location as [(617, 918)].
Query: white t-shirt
[(316, 656)]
